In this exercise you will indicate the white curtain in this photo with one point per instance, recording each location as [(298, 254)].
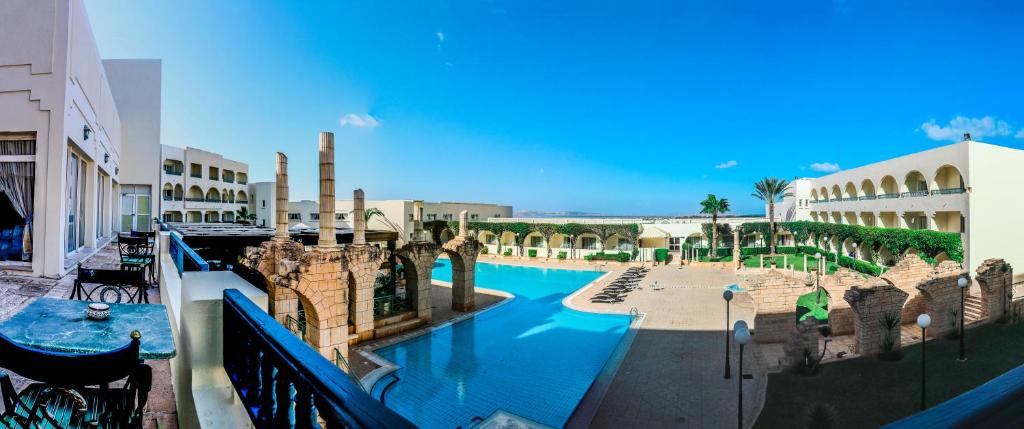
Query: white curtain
[(17, 181)]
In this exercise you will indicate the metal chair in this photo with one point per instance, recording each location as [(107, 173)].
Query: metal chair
[(60, 398), (110, 286), (136, 253)]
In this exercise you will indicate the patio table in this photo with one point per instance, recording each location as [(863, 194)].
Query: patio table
[(60, 325)]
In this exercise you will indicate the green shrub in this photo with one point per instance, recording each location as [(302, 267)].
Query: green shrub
[(623, 257), (532, 253), (508, 252), (661, 254), (483, 250), (562, 255), (601, 256)]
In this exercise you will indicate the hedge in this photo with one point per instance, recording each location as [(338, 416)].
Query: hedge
[(601, 256), (562, 255), (532, 253), (661, 254), (898, 240)]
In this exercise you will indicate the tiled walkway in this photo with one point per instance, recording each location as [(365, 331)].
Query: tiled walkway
[(673, 375), (16, 292)]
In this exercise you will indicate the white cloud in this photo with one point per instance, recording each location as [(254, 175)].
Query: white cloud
[(1020, 134), (825, 167), (727, 164), (978, 127), (359, 121), (440, 36)]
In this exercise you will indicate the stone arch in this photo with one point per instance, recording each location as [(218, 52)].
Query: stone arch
[(487, 237), (871, 303), (231, 196), (463, 252), (914, 181), (814, 195), (213, 194), (995, 279), (823, 194), (942, 296), (886, 256), (849, 247), (195, 193), (224, 195), (211, 216), (242, 197), (867, 188), (850, 191), (559, 241), (837, 194), (889, 186), (508, 238), (168, 192), (814, 216), (583, 240), (418, 260), (947, 177), (446, 235), (527, 241)]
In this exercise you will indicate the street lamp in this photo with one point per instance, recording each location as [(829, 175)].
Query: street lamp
[(742, 337), (727, 296), (854, 251), (962, 283), (817, 275), (923, 321)]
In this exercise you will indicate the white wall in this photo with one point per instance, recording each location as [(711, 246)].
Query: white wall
[(136, 86)]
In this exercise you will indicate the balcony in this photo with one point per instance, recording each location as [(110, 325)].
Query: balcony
[(173, 171), (213, 200), (867, 198), (887, 196), (196, 175), (196, 199), (170, 198), (242, 202)]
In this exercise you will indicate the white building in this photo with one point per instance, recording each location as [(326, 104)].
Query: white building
[(75, 132), (398, 214), (966, 188), (201, 186)]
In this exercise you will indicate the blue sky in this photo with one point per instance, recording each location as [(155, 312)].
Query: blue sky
[(608, 107)]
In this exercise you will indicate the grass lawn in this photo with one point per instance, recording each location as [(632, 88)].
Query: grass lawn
[(868, 393), (814, 308)]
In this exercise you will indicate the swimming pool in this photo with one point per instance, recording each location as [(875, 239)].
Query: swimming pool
[(530, 356)]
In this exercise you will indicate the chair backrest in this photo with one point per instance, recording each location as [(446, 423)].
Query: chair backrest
[(128, 245), (110, 277), (70, 369)]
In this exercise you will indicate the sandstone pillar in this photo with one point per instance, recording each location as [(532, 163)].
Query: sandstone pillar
[(327, 231), (359, 217), (417, 220), (995, 277), (281, 197), (737, 259), (942, 297), (873, 305), (464, 223)]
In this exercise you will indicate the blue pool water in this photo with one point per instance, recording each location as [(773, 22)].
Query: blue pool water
[(530, 356)]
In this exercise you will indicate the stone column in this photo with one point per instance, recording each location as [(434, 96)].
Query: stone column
[(464, 223), (327, 231), (417, 220), (871, 305), (736, 258), (359, 217), (281, 207), (995, 277)]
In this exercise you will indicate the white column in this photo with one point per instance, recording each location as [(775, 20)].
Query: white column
[(464, 223)]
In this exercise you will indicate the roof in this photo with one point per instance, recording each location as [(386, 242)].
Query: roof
[(670, 230)]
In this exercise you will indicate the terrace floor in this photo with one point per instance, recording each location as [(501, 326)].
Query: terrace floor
[(673, 374), (17, 292)]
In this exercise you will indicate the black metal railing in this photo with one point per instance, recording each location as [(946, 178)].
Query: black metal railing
[(948, 191), (867, 197), (887, 196), (172, 171), (914, 194), (213, 200), (196, 175), (284, 383)]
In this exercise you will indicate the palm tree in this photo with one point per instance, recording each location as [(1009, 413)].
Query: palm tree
[(712, 205), (243, 214), (374, 212), (770, 190)]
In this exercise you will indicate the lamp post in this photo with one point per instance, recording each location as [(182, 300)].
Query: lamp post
[(923, 321), (742, 338), (727, 296), (854, 251), (817, 275), (962, 283)]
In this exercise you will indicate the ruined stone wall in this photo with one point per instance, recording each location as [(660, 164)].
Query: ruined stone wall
[(870, 304), (319, 286), (463, 252), (802, 341), (906, 275), (363, 262), (942, 297), (265, 260), (775, 295), (840, 315), (995, 277), (418, 261)]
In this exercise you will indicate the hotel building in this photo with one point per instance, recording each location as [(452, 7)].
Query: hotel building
[(77, 138), (201, 186), (398, 214), (965, 188)]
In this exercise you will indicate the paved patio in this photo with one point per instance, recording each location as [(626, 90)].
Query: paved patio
[(673, 374), (16, 292)]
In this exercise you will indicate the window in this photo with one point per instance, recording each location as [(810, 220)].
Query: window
[(431, 217), (474, 216), (497, 215), (340, 216), (447, 216), (294, 216), (314, 216), (536, 241), (264, 202), (195, 170), (589, 243), (410, 217), (214, 173), (674, 243)]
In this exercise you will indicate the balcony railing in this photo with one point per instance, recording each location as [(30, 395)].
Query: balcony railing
[(867, 197), (185, 259), (948, 191), (887, 196), (284, 383), (170, 198), (196, 175), (914, 194), (195, 199), (242, 201), (213, 200), (172, 171)]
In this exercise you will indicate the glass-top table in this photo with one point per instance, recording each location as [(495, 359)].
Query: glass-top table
[(60, 325)]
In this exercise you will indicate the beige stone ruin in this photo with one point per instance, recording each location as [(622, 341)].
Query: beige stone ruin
[(995, 277), (871, 304), (775, 295), (335, 285)]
